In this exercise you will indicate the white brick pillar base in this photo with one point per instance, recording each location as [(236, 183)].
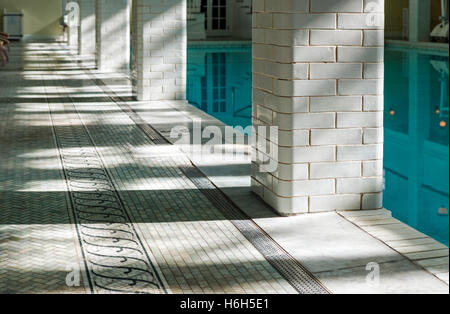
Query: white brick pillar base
[(86, 29), (72, 36), (159, 49), (318, 77), (113, 35)]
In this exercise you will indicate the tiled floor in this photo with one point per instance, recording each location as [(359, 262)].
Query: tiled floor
[(416, 246), (69, 176), (85, 192)]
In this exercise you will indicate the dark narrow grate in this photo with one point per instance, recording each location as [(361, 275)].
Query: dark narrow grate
[(295, 273)]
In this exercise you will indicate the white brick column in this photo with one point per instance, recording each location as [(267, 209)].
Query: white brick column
[(419, 20), (72, 28), (318, 77), (113, 35), (72, 36), (86, 32), (159, 49)]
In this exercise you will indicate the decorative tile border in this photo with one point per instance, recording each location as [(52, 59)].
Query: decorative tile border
[(114, 256)]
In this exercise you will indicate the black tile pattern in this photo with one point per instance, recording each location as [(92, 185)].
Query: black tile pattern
[(114, 255)]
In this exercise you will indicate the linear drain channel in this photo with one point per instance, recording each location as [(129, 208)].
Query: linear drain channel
[(303, 281), (291, 269)]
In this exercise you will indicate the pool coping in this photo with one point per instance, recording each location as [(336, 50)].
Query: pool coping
[(422, 250), (193, 44), (389, 43), (428, 47)]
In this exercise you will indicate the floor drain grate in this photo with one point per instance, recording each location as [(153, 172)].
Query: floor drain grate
[(297, 275)]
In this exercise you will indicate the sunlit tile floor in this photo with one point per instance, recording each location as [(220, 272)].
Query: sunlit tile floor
[(80, 213), (93, 201)]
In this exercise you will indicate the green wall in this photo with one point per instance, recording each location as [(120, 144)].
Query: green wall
[(40, 17)]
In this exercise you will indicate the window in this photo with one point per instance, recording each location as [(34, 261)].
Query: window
[(219, 14)]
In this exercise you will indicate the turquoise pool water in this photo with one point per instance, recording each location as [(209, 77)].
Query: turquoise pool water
[(219, 82), (416, 154)]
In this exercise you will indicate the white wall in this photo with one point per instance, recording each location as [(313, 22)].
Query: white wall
[(241, 22)]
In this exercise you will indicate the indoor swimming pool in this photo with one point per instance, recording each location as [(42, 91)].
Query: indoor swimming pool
[(416, 154), (416, 139)]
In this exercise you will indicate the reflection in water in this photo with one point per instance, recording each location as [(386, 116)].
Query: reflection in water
[(416, 156), (416, 123), (219, 83)]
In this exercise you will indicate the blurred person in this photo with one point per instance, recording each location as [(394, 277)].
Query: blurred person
[(4, 48)]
